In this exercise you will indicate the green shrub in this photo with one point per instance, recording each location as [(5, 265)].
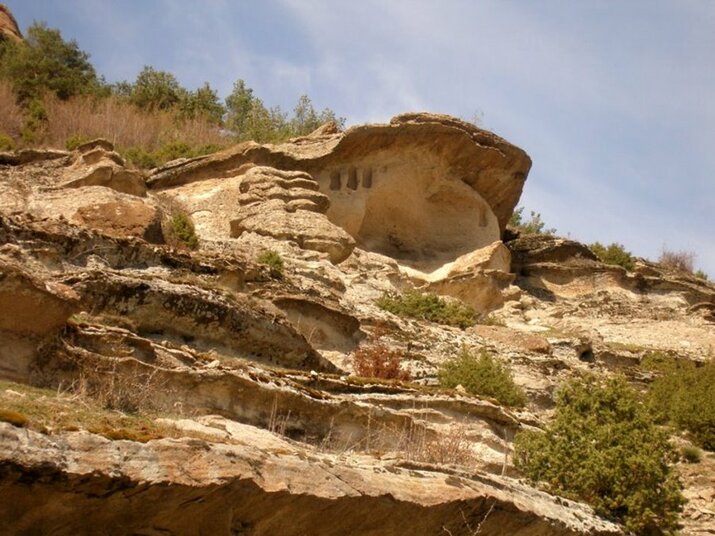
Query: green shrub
[(702, 275), (691, 454), (603, 447), (273, 260), (140, 158), (75, 141), (173, 150), (534, 225), (6, 142), (144, 159), (429, 307), (181, 231), (614, 254), (684, 396), (483, 375), (662, 362), (35, 122)]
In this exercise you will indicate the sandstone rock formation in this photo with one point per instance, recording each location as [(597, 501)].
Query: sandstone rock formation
[(424, 189), (259, 485), (96, 164), (34, 310), (263, 428), (8, 25), (112, 198), (285, 205)]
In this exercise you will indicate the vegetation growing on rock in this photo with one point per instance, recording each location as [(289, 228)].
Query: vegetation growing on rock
[(603, 447), (377, 360), (682, 261), (614, 254), (273, 260), (534, 225), (51, 93), (181, 231), (481, 374), (683, 395), (430, 307)]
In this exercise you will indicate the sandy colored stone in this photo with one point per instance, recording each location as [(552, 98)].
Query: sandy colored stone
[(163, 486), (96, 164), (424, 189), (97, 207), (8, 25)]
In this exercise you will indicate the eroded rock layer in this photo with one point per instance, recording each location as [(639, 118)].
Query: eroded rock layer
[(424, 189), (212, 391)]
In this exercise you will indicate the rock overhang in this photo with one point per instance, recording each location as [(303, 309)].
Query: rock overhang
[(424, 189)]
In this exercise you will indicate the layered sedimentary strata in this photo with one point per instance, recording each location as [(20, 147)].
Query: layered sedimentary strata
[(424, 189)]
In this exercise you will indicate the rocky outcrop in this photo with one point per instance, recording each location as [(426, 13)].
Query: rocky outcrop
[(33, 310), (263, 201), (241, 326), (424, 189), (8, 25), (28, 156), (90, 187), (259, 485), (103, 209), (287, 206), (554, 266), (246, 369), (96, 164)]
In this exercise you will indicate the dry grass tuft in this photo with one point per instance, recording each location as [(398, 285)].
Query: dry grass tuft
[(47, 410), (683, 261), (450, 448), (121, 123), (10, 113)]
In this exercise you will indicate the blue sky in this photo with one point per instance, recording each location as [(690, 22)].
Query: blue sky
[(613, 100)]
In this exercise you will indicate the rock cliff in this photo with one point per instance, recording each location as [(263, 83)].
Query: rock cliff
[(8, 25), (150, 388)]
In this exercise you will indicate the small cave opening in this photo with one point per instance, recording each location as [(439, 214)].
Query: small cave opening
[(352, 179), (335, 180), (586, 355)]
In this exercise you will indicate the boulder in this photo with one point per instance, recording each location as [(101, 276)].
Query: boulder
[(96, 164), (104, 209)]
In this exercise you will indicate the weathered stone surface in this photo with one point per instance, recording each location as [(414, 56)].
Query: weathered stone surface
[(267, 487), (8, 25), (29, 156), (325, 327), (33, 310), (424, 189), (244, 325), (96, 164), (206, 333), (527, 342), (285, 205), (96, 207), (533, 249)]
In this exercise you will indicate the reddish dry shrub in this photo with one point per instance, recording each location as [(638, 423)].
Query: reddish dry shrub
[(376, 360), (121, 123), (678, 260)]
